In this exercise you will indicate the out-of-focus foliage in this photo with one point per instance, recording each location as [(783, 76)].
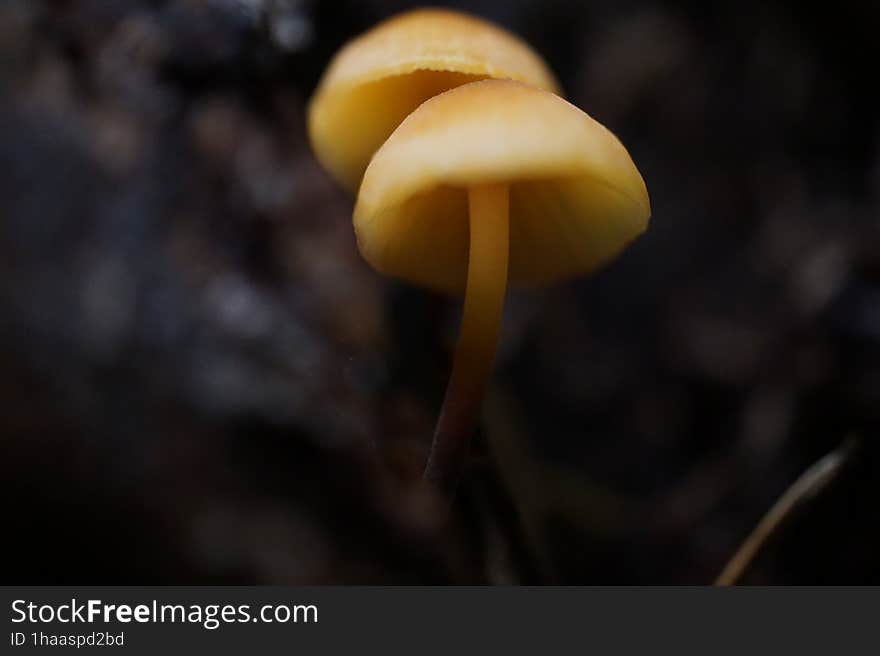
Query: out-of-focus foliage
[(202, 382)]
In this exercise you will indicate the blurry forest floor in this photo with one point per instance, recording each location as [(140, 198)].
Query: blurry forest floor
[(202, 382)]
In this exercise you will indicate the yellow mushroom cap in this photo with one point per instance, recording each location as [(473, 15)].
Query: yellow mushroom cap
[(576, 197), (379, 78)]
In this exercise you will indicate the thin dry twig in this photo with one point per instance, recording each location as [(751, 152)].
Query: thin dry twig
[(806, 487)]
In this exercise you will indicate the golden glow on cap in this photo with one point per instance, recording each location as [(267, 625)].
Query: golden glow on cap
[(379, 78), (576, 197)]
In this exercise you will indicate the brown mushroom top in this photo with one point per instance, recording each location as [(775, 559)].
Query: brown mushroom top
[(576, 197)]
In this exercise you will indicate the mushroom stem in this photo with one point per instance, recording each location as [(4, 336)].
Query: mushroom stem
[(472, 363)]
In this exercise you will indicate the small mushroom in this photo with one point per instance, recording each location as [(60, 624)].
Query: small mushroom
[(490, 181), (379, 78)]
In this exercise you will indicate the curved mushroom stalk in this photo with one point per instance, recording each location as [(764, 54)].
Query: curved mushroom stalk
[(481, 321), (545, 192), (576, 194)]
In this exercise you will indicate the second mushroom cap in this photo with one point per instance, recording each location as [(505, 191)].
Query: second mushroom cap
[(377, 79)]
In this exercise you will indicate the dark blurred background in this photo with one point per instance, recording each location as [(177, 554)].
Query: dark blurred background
[(202, 382)]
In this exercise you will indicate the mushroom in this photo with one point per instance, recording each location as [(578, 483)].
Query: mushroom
[(379, 78), (490, 181)]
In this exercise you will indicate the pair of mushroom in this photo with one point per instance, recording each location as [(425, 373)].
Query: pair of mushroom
[(470, 172)]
